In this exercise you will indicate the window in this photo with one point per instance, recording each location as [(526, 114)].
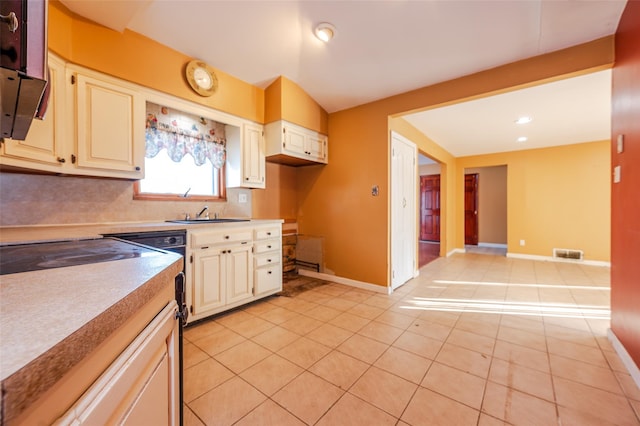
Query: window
[(184, 157)]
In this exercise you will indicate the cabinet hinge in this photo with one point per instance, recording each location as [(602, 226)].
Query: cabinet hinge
[(191, 309), (191, 260), (73, 79)]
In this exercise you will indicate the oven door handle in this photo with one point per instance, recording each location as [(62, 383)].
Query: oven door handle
[(183, 312)]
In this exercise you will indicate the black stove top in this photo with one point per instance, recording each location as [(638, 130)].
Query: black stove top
[(38, 256)]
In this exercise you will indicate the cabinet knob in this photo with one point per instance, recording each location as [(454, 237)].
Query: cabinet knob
[(269, 272), (61, 160), (137, 168), (226, 237)]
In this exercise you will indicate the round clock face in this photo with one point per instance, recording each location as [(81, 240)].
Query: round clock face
[(201, 78)]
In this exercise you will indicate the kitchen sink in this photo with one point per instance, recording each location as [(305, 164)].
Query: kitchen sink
[(218, 220)]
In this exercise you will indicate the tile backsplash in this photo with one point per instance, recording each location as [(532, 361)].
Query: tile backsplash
[(27, 199)]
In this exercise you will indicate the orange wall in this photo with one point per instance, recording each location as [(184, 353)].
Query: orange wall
[(135, 58), (285, 100), (625, 196), (279, 200), (556, 198), (335, 201)]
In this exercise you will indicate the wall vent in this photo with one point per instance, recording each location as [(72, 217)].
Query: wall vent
[(568, 254)]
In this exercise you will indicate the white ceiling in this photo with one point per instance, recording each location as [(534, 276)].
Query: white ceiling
[(381, 48)]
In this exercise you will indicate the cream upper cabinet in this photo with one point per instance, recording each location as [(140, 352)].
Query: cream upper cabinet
[(94, 126), (288, 143), (246, 167), (109, 124), (44, 147)]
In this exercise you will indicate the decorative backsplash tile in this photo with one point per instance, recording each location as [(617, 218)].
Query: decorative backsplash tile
[(43, 200)]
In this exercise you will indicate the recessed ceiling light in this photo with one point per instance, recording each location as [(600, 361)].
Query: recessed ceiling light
[(524, 120), (522, 139), (325, 31)]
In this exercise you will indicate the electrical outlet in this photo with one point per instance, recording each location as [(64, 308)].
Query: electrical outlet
[(242, 198), (522, 242)]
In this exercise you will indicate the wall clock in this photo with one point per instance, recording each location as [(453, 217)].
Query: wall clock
[(201, 78)]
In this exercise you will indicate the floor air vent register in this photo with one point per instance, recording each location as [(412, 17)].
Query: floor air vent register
[(568, 254)]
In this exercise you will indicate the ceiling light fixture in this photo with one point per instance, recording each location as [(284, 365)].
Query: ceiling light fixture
[(522, 139), (524, 120), (325, 31)]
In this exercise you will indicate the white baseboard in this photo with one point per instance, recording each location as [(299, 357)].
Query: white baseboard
[(626, 359), (554, 259), (456, 250), (346, 281)]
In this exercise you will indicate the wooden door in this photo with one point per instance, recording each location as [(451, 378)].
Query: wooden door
[(430, 207), (471, 209)]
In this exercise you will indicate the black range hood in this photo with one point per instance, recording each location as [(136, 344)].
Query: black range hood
[(23, 65)]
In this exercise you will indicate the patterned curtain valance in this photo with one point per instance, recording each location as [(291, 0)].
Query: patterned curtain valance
[(180, 134)]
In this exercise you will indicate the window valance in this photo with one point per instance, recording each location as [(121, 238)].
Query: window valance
[(180, 134)]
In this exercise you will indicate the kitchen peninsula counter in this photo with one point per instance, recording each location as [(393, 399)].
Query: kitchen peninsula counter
[(53, 320)]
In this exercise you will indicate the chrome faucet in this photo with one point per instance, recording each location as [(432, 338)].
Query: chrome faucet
[(204, 209)]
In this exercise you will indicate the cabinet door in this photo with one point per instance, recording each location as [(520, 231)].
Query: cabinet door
[(239, 274), (316, 147), (208, 278), (110, 127), (253, 156), (294, 140), (44, 142), (140, 387)]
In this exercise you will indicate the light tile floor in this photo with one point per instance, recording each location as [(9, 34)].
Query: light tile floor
[(476, 339)]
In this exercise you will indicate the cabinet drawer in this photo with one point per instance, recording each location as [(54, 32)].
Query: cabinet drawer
[(206, 238), (266, 259), (265, 246), (268, 279), (264, 233)]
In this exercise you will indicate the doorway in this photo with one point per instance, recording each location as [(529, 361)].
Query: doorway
[(429, 210), (490, 212), (471, 209)]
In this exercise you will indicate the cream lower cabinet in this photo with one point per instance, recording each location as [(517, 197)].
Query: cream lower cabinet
[(267, 260), (141, 385), (231, 266), (220, 269)]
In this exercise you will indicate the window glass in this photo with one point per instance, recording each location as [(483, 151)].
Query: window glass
[(185, 155)]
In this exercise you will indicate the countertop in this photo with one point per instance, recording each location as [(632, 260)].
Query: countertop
[(51, 319)]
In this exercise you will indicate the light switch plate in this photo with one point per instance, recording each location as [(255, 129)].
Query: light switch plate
[(242, 198)]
